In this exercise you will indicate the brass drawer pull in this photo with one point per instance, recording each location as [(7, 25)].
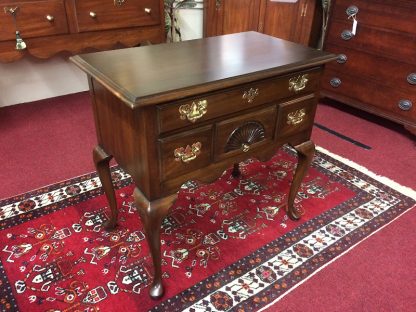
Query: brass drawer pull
[(298, 83), (342, 59), (335, 82), (148, 10), (245, 147), (296, 117), (411, 78), (405, 105), (119, 3), (93, 14), (50, 18), (188, 153), (193, 111), (250, 95)]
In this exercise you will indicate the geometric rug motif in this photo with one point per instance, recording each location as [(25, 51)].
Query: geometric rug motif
[(226, 246)]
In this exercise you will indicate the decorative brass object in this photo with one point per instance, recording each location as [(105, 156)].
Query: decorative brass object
[(296, 117), (148, 10), (245, 147), (93, 14), (298, 83), (20, 44), (119, 3), (50, 18), (193, 111), (250, 94), (188, 153)]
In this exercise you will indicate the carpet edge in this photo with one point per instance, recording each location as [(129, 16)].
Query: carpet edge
[(385, 180)]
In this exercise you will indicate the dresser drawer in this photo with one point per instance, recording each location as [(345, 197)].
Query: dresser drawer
[(382, 15), (295, 116), (199, 109), (34, 19), (384, 71), (389, 102), (100, 15), (185, 152), (400, 46), (244, 133)]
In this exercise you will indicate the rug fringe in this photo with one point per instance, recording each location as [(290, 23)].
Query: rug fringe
[(394, 185)]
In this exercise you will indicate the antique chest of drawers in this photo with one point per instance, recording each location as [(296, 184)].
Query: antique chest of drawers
[(376, 67), (174, 112), (46, 27)]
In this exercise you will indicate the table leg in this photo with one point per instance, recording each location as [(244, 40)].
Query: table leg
[(152, 215), (236, 173), (102, 164), (305, 151)]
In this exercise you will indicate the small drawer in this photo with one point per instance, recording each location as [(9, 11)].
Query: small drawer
[(194, 110), (34, 19), (185, 152), (295, 116), (100, 15), (244, 133)]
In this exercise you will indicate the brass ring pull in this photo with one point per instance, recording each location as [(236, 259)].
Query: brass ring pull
[(296, 117), (298, 83), (193, 111), (250, 95), (188, 153)]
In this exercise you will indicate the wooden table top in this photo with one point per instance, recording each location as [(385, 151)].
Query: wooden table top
[(157, 73)]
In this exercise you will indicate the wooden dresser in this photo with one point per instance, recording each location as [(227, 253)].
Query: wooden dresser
[(285, 20), (167, 117), (51, 26), (376, 68)]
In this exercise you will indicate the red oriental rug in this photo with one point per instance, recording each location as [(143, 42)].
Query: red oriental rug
[(226, 246)]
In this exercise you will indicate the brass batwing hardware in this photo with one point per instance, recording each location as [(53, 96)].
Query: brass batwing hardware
[(119, 3), (245, 147), (50, 18), (296, 117), (250, 94), (193, 111), (148, 10), (188, 153), (93, 14), (20, 44), (298, 83)]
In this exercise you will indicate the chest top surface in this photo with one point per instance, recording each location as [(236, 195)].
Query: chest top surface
[(154, 74)]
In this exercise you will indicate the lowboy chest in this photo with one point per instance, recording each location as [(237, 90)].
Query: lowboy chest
[(173, 112)]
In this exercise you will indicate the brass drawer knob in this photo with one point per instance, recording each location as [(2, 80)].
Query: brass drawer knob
[(335, 82), (347, 35), (296, 117), (411, 78), (188, 153), (250, 95), (50, 18), (342, 59), (298, 83), (405, 105), (148, 10), (93, 14), (245, 147), (193, 111)]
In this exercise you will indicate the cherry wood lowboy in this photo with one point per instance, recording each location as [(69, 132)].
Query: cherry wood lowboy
[(169, 113)]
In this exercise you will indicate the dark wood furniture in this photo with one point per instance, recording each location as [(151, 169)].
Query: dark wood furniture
[(289, 21), (173, 112), (376, 67), (48, 27)]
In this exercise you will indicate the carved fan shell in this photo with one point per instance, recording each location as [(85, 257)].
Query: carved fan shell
[(248, 133)]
